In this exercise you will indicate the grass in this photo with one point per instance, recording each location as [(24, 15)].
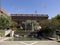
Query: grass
[(1, 33)]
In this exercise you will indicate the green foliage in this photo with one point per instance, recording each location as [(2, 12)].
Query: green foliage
[(57, 17), (13, 25), (46, 31), (51, 25), (1, 34), (48, 28), (56, 21), (5, 21), (48, 23), (19, 29)]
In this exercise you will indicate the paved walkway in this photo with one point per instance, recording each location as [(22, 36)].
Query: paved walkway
[(4, 38), (29, 43)]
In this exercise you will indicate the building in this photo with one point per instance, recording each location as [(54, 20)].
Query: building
[(3, 12), (19, 18), (23, 17)]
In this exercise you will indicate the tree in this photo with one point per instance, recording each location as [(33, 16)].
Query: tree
[(57, 17), (52, 24), (46, 23), (5, 21), (48, 26), (13, 25), (56, 21)]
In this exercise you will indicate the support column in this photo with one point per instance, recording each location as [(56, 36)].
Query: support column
[(57, 37), (12, 34)]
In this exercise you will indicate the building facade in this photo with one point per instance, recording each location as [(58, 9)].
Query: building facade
[(23, 17), (3, 12), (19, 18)]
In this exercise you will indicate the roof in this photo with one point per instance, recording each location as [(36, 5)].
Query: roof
[(3, 11), (40, 15)]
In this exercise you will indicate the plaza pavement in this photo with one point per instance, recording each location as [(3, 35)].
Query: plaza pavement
[(47, 42), (29, 43)]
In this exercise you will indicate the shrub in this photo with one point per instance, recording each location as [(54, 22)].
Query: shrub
[(19, 29), (46, 31), (1, 34)]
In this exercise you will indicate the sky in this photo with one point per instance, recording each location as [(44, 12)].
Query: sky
[(50, 7)]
